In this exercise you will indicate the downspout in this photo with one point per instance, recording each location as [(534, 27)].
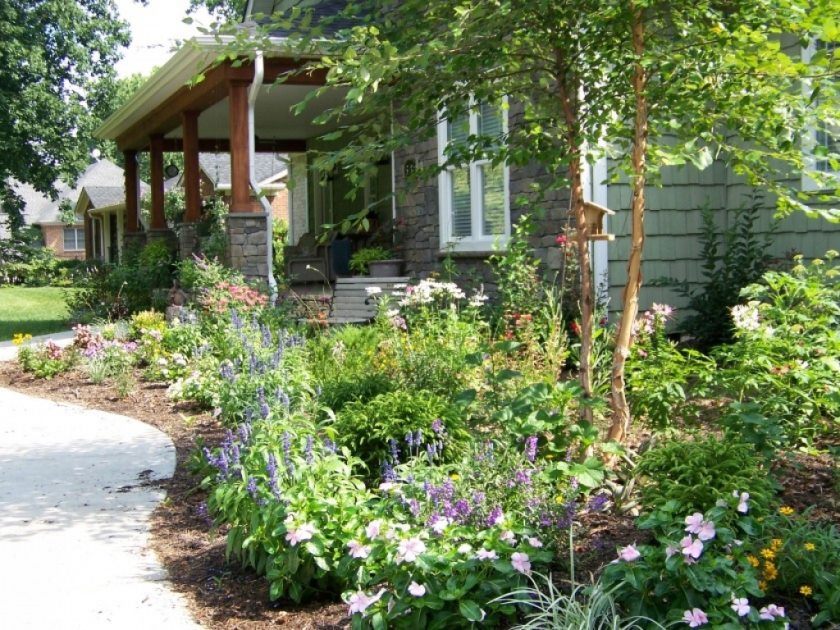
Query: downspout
[(253, 94)]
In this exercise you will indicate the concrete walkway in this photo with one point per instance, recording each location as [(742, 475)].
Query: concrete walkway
[(74, 519)]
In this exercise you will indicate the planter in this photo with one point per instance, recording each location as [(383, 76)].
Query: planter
[(385, 268)]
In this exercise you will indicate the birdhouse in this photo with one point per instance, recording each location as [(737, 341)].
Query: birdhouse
[(595, 214)]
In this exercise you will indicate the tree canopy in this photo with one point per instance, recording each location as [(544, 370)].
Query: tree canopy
[(51, 53)]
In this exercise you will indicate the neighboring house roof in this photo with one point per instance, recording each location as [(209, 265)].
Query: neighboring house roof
[(103, 182), (268, 168)]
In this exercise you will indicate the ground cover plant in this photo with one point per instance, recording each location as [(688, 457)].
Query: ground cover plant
[(428, 468)]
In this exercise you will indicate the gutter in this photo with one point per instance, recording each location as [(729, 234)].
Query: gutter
[(253, 94)]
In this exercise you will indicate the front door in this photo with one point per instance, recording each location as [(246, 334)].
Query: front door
[(113, 239)]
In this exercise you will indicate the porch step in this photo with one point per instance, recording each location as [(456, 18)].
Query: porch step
[(350, 298)]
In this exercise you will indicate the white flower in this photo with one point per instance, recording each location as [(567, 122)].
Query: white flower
[(358, 550), (440, 524), (391, 313), (295, 535), (371, 291), (745, 316), (465, 548), (360, 601), (417, 590), (409, 549), (508, 536), (536, 543)]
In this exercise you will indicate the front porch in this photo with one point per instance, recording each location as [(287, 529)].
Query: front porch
[(242, 109)]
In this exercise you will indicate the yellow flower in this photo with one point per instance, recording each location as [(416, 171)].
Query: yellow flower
[(560, 499), (762, 585), (19, 338), (809, 546), (806, 590), (776, 544), (769, 554), (454, 476), (786, 510), (753, 561)]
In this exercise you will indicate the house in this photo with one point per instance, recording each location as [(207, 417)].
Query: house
[(233, 108), (74, 240)]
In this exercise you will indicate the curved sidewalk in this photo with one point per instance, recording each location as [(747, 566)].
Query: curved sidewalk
[(74, 512)]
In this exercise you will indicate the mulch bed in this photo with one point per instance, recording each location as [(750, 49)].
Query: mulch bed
[(224, 596)]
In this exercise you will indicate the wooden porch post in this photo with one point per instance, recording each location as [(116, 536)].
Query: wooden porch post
[(156, 159), (239, 147), (132, 192), (192, 179)]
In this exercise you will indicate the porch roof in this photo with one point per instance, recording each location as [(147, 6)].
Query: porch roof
[(156, 108)]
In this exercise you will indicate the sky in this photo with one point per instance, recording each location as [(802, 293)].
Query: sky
[(154, 30)]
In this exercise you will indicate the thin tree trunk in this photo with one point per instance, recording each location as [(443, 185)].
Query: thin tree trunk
[(630, 298), (567, 91)]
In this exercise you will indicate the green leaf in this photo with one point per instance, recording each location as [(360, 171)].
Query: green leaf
[(470, 610)]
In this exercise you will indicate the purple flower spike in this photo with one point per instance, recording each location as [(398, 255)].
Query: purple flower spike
[(531, 448)]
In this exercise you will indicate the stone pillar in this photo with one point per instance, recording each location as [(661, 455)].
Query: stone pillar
[(188, 240), (166, 236), (248, 244), (133, 240)]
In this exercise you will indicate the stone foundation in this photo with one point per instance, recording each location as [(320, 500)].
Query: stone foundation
[(187, 240), (247, 244), (134, 240), (166, 236)]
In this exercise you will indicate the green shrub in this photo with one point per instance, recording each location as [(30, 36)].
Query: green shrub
[(47, 360), (335, 394), (144, 321), (361, 259), (699, 472), (367, 426)]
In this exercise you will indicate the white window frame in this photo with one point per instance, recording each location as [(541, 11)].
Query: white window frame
[(478, 242), (810, 140), (78, 232)]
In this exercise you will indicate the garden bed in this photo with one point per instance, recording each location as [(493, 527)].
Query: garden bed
[(222, 595)]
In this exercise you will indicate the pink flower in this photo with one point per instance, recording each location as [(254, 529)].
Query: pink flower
[(670, 550), (691, 547), (695, 617), (507, 536), (485, 554), (416, 590), (409, 549), (707, 531), (358, 550), (360, 601), (536, 543), (561, 239), (693, 523), (440, 524), (741, 606), (299, 534), (373, 529), (629, 553), (770, 612), (521, 562)]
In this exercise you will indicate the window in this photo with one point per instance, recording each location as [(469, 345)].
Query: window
[(824, 139), (74, 239), (474, 199)]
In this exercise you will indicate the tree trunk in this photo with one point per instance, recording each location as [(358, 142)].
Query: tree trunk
[(567, 92), (630, 298)]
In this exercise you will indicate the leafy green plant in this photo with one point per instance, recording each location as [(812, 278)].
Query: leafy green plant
[(360, 260), (47, 360), (744, 422), (784, 357), (697, 473), (804, 554), (336, 393), (732, 259), (516, 271), (698, 572), (366, 427)]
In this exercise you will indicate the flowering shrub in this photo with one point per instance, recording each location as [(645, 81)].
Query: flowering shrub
[(700, 472), (110, 360), (46, 360), (145, 321), (784, 357), (224, 296), (698, 573), (798, 558)]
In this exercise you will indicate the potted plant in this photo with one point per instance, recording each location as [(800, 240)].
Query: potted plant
[(376, 262)]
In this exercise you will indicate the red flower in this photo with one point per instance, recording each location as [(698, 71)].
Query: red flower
[(561, 239), (575, 328)]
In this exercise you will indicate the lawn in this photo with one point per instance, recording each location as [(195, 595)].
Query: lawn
[(36, 311)]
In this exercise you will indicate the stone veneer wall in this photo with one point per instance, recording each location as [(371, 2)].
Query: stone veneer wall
[(418, 208), (247, 246)]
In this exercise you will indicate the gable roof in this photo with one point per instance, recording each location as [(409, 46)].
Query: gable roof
[(267, 167), (103, 176)]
